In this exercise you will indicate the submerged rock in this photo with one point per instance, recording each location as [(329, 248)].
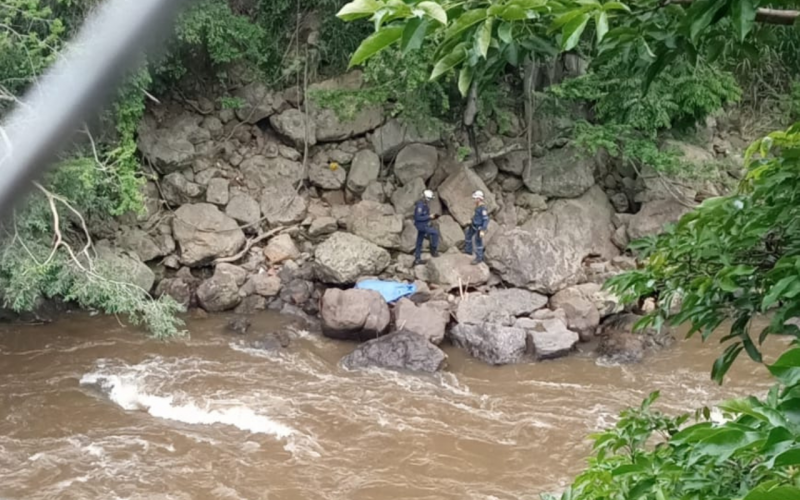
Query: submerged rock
[(621, 345), (238, 324), (403, 350)]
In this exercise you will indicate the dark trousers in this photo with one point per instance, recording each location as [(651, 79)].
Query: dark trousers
[(474, 234), (426, 232)]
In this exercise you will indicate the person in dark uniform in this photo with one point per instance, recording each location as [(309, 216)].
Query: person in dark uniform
[(477, 229), (422, 221)]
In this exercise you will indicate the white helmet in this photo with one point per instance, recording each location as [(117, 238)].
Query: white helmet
[(478, 195), (428, 194)]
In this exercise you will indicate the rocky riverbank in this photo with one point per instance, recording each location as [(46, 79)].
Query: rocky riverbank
[(281, 205)]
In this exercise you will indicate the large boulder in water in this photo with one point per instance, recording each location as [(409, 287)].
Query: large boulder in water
[(498, 306), (403, 350), (548, 337), (427, 320), (376, 223), (492, 343), (204, 234), (354, 314), (456, 192), (546, 254), (579, 305), (620, 344), (654, 216), (455, 269), (344, 257), (561, 173)]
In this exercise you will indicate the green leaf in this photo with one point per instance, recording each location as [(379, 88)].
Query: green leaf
[(358, 9), (465, 80), (616, 6), (375, 43), (787, 367), (464, 22), (414, 35), (743, 15), (601, 21), (776, 291), (776, 493), (450, 61), (788, 458), (701, 13), (485, 38), (434, 11), (571, 34), (565, 19), (504, 33)]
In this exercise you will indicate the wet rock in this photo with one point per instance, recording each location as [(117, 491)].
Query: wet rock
[(376, 223), (272, 343), (415, 161), (456, 192), (262, 284), (259, 103), (578, 304), (621, 345), (492, 343), (654, 216), (354, 314), (450, 270), (548, 338), (238, 325), (221, 291), (178, 190), (324, 177), (172, 144), (141, 244), (295, 126), (260, 172), (124, 267), (344, 257), (281, 248), (251, 305), (427, 320), (498, 306), (404, 198), (402, 350), (282, 205), (179, 289), (243, 208), (561, 173), (204, 233), (394, 136), (323, 226), (217, 191)]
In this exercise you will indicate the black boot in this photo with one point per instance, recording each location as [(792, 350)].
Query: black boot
[(419, 262), (477, 262), (434, 253)]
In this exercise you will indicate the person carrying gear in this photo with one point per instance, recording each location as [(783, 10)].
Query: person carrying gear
[(422, 221), (478, 227)]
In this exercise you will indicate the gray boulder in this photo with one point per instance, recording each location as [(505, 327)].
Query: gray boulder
[(262, 284), (452, 235), (405, 197), (243, 208), (259, 103), (620, 344), (330, 128), (217, 192), (499, 305), (393, 136), (416, 161), (456, 192), (376, 223), (180, 289), (344, 257), (354, 314), (561, 173), (322, 226), (140, 243), (578, 304), (654, 216), (492, 343), (449, 269), (487, 171), (172, 145), (428, 320), (281, 248), (178, 190), (260, 172), (121, 266), (513, 163), (548, 338), (375, 192), (281, 204), (295, 126), (204, 233), (364, 170), (221, 291), (402, 350), (321, 175)]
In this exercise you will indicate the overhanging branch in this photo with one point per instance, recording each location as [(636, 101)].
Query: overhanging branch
[(763, 15)]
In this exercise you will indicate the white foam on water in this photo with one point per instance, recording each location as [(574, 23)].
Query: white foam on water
[(128, 394)]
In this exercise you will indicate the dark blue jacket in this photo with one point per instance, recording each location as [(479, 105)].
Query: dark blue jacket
[(480, 220), (422, 214)]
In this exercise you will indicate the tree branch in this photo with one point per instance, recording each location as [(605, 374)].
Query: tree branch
[(250, 244), (763, 15)]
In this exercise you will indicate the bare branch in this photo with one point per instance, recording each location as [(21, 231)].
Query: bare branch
[(252, 242)]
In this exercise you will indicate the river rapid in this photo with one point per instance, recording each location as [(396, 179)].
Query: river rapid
[(91, 409)]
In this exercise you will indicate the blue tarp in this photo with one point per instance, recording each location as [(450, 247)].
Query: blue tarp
[(390, 290)]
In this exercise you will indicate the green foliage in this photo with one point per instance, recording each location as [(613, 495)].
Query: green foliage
[(734, 257), (752, 455)]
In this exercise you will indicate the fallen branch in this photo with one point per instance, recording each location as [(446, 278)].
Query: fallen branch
[(250, 243)]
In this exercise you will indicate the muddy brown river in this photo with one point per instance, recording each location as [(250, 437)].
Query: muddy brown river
[(91, 409)]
